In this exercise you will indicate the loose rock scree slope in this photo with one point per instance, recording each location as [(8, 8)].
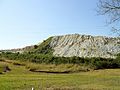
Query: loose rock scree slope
[(85, 46)]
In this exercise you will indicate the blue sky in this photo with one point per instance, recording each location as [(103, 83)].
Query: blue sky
[(28, 22)]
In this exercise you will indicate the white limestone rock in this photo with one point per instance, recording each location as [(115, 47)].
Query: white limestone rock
[(85, 46)]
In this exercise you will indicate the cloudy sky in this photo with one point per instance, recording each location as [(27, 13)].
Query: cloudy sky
[(28, 22)]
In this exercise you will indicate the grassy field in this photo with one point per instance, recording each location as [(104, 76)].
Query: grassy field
[(20, 78)]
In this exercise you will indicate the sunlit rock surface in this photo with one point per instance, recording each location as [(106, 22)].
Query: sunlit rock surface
[(85, 46)]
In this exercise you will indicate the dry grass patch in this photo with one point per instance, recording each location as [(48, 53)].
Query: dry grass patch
[(52, 68), (17, 63), (2, 60)]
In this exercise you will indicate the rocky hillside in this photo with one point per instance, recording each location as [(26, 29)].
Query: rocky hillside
[(85, 46), (75, 45)]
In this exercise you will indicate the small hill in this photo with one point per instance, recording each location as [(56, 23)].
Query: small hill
[(76, 45), (79, 45), (95, 52)]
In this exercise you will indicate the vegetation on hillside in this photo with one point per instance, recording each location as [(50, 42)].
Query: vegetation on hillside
[(95, 63), (43, 54), (43, 48)]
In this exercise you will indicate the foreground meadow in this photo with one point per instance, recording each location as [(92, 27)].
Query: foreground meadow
[(20, 78)]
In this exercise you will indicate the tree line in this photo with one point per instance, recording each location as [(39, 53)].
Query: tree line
[(94, 62)]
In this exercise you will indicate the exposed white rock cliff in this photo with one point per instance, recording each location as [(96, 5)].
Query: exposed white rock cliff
[(85, 46)]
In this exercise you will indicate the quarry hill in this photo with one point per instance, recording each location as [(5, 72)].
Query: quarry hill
[(77, 45), (85, 46)]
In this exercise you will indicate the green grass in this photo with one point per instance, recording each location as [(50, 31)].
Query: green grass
[(43, 48), (20, 78)]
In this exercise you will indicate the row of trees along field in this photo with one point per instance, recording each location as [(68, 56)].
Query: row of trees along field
[(96, 63)]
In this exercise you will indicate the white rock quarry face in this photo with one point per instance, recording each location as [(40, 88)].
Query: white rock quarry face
[(85, 46)]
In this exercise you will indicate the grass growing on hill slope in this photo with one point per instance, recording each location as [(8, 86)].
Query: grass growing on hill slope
[(20, 78), (43, 48)]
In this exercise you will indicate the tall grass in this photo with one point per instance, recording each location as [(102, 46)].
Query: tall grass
[(61, 68)]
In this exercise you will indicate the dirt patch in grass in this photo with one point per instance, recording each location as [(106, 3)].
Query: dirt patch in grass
[(4, 68), (54, 72), (18, 64)]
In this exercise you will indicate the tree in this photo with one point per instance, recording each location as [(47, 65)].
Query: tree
[(111, 8), (35, 46)]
